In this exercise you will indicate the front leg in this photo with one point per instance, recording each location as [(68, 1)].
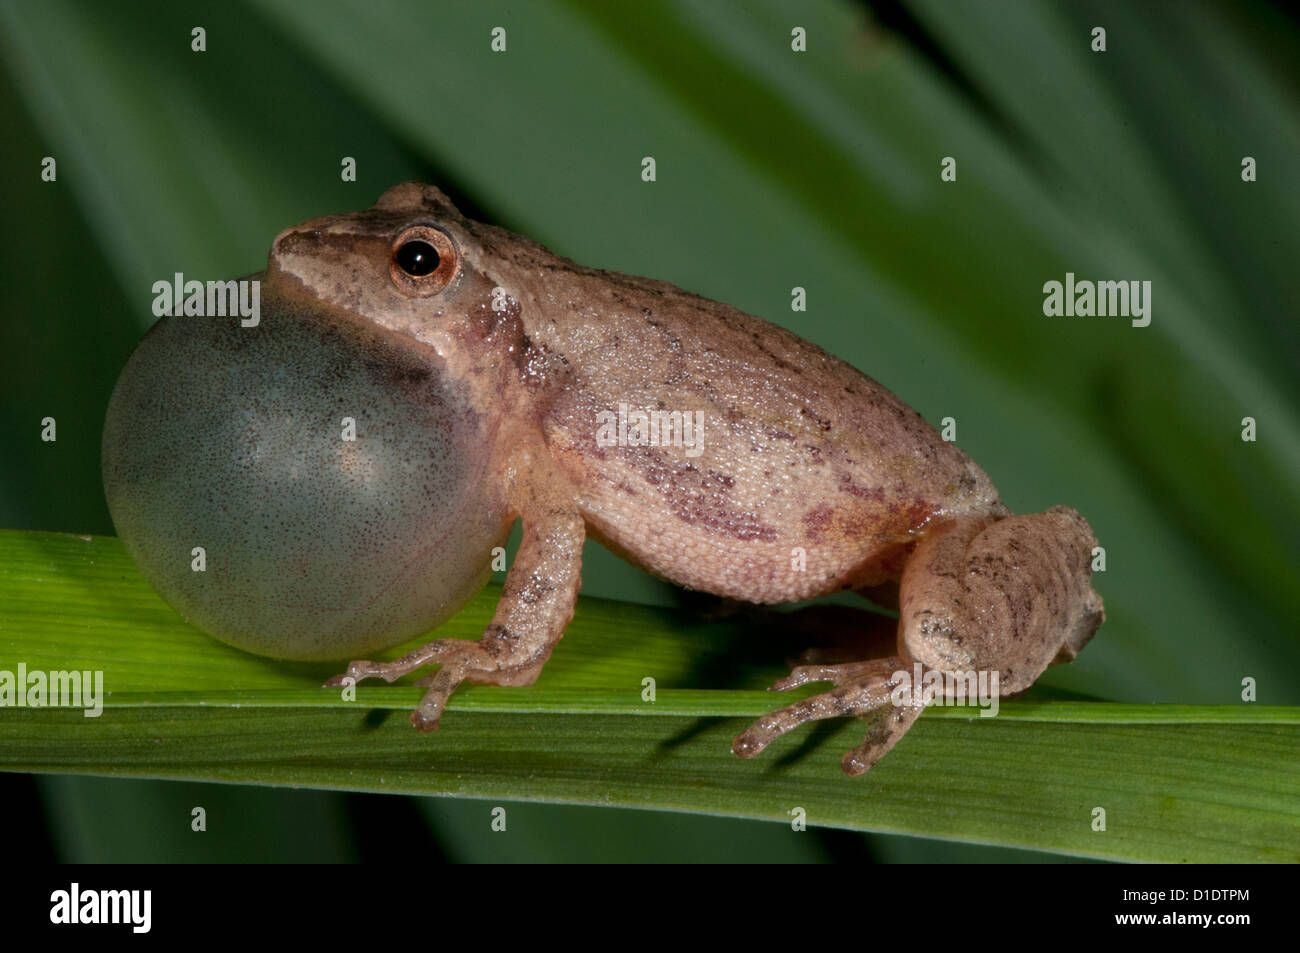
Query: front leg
[(536, 604)]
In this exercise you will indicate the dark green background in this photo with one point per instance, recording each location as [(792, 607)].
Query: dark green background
[(775, 169)]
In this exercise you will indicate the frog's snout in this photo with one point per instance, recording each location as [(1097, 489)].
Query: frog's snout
[(297, 241)]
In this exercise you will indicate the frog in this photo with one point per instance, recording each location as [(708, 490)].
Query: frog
[(491, 381)]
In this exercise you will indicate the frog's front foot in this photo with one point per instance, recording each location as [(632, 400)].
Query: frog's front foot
[(459, 661), (425, 716), (862, 688)]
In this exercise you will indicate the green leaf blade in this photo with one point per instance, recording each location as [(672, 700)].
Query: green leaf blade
[(1177, 783)]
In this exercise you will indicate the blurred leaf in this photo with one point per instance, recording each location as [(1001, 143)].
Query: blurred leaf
[(1177, 782), (100, 821), (1143, 145), (566, 834), (935, 288)]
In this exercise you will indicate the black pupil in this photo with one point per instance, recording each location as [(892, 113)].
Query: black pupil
[(417, 258)]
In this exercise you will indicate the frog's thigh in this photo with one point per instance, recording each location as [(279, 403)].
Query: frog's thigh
[(1012, 595)]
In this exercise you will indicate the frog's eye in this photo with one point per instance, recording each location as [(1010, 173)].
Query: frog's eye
[(423, 262)]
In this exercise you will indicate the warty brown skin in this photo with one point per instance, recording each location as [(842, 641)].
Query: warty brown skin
[(799, 452)]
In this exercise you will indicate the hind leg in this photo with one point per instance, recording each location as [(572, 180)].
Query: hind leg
[(863, 689), (1010, 596)]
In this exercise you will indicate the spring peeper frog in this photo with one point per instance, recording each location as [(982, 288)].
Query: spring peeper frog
[(485, 379)]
